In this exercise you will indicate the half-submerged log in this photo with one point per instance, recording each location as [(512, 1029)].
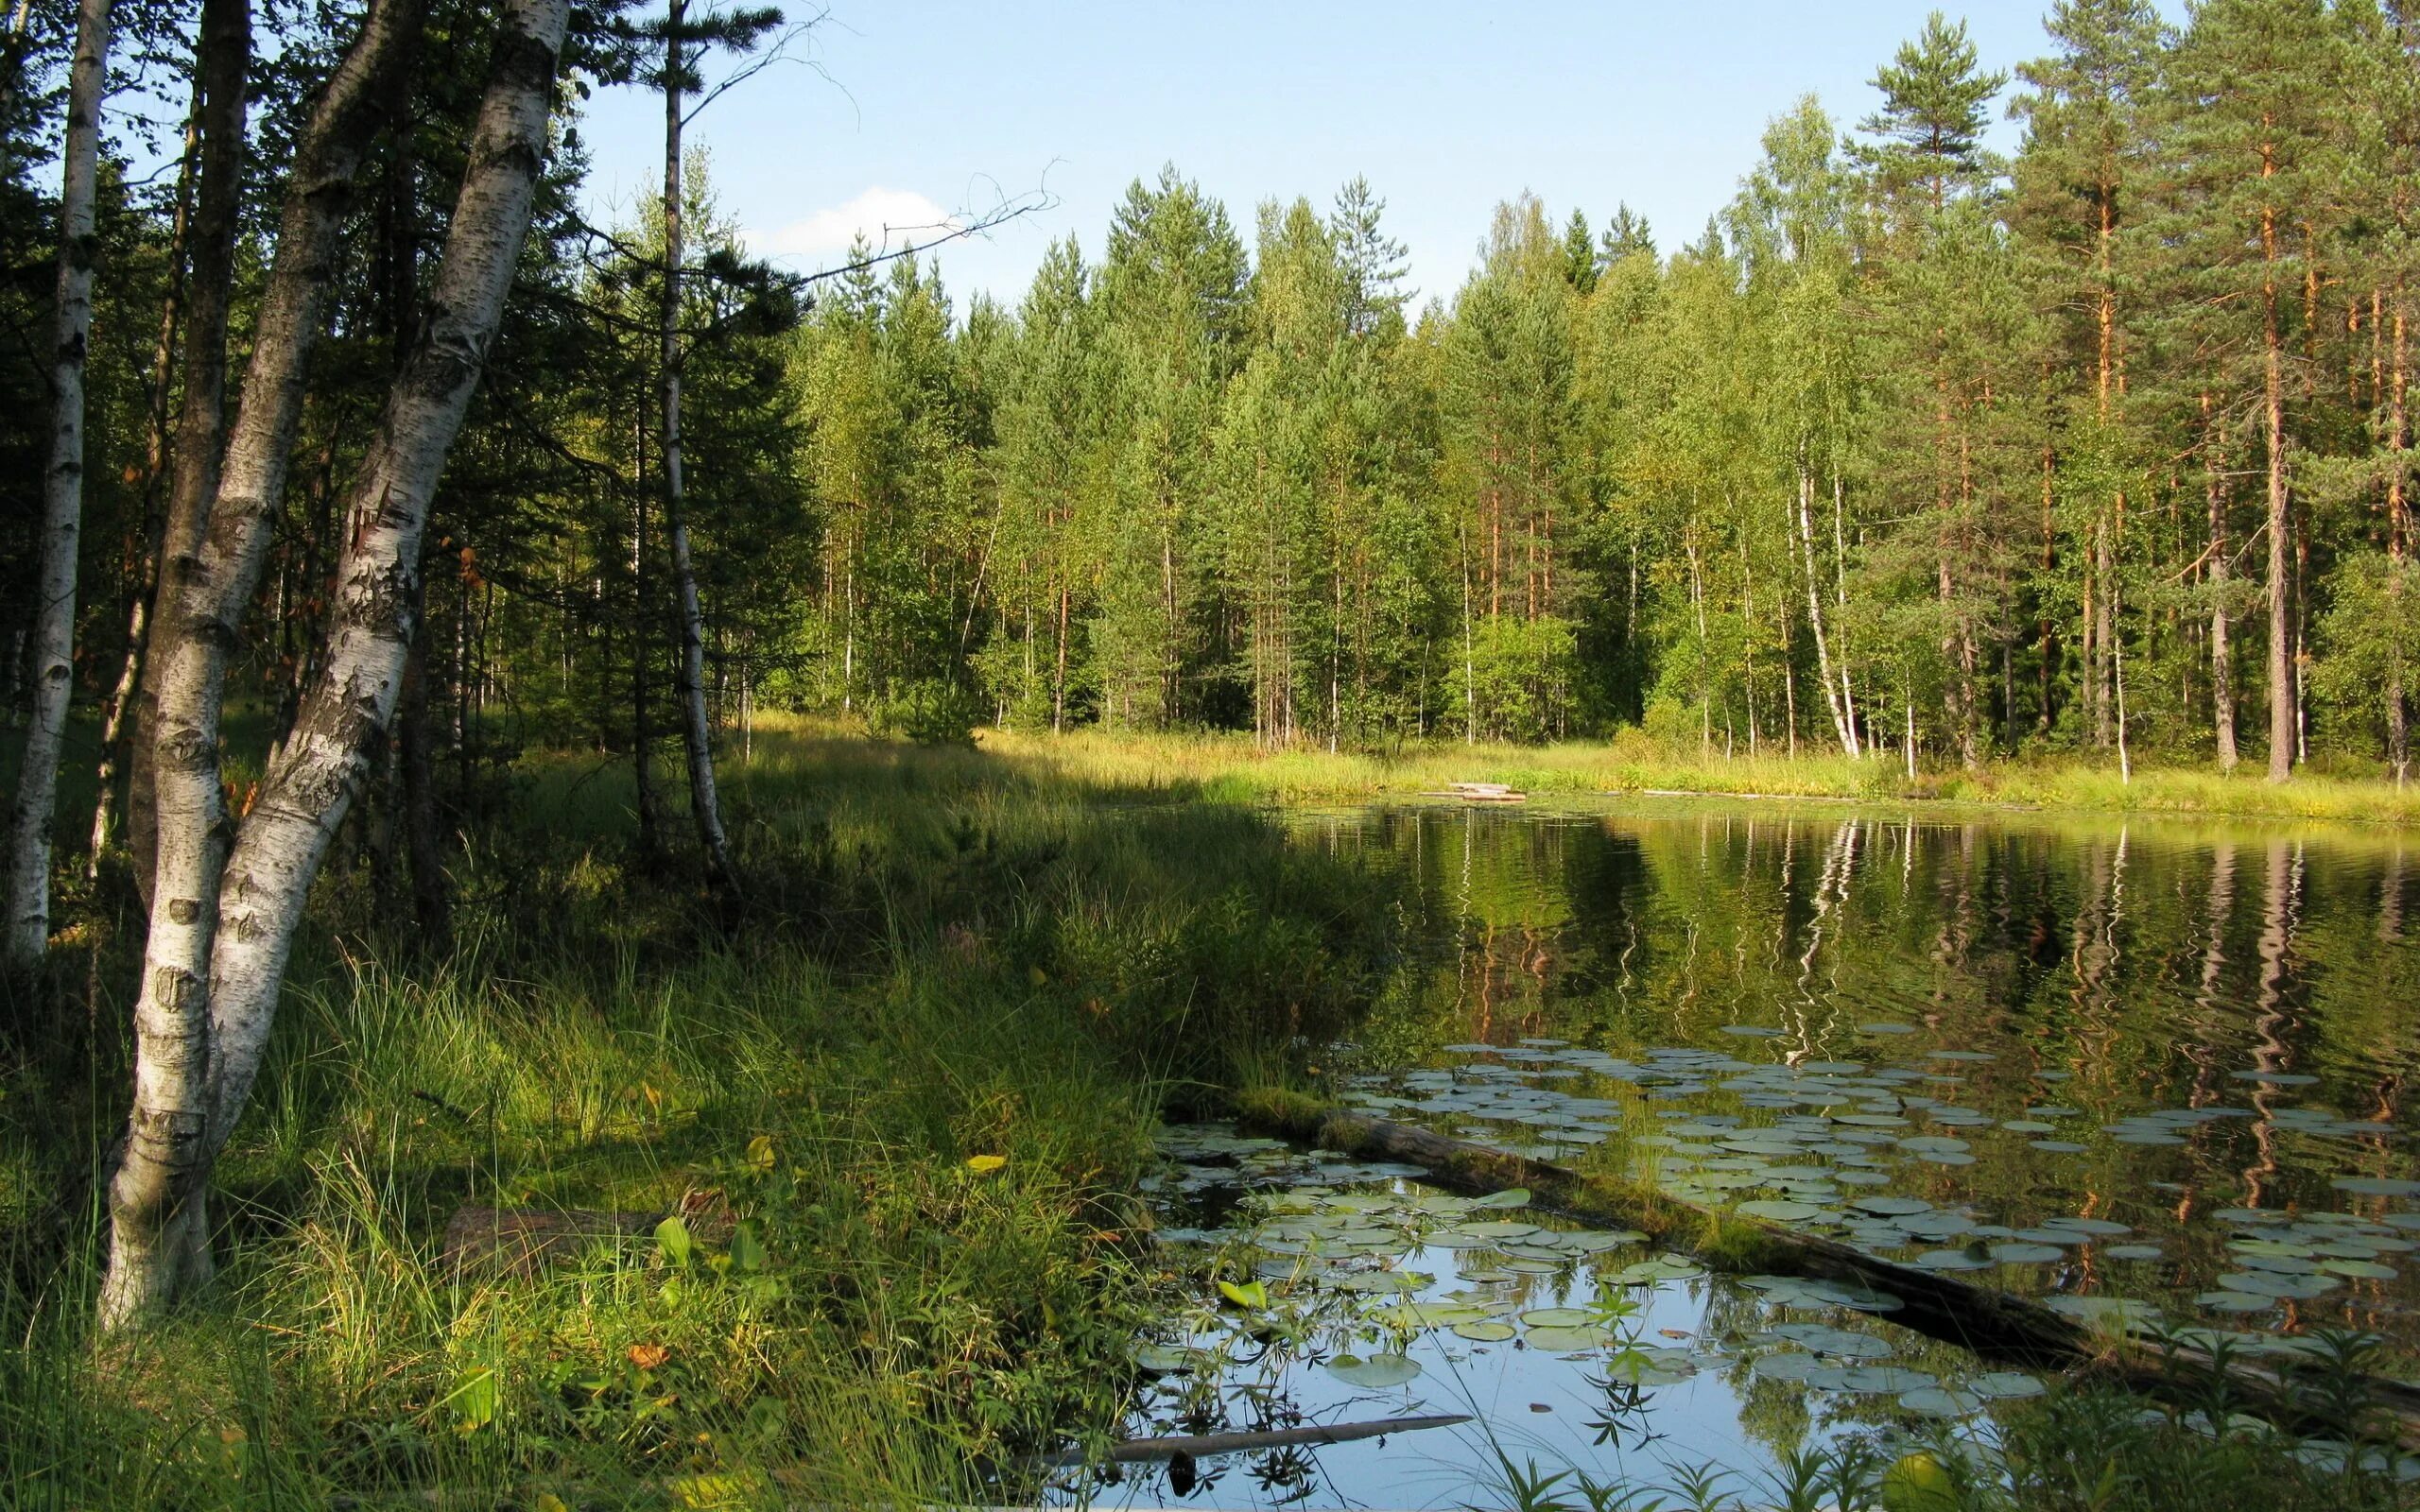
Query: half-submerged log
[(1993, 1324), (1201, 1446)]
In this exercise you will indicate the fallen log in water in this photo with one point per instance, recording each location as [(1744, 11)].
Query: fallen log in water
[(1992, 1323), (1200, 1446)]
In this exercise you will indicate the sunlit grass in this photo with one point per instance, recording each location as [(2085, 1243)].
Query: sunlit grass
[(1634, 764), (944, 955)]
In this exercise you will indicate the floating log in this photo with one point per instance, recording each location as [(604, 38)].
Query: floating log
[(1200, 1446), (1993, 1324)]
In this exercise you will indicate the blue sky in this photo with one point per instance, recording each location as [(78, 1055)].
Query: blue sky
[(920, 108)]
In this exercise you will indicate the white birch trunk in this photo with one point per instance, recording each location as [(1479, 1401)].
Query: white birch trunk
[(54, 626), (156, 1205), (350, 699)]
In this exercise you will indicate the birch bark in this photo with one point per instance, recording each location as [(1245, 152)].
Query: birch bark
[(225, 56), (345, 711), (156, 1210), (53, 628)]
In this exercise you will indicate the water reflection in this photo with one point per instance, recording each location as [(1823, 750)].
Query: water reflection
[(2148, 963), (2229, 1013)]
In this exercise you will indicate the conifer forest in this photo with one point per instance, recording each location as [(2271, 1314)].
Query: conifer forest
[(641, 875)]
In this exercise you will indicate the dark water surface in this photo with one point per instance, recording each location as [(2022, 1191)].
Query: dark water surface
[(2157, 1073)]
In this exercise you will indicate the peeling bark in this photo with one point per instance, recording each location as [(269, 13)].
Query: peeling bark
[(226, 49), (210, 992)]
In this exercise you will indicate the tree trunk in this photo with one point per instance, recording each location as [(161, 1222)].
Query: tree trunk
[(155, 1199), (225, 58), (1840, 727), (2399, 733), (2222, 669), (156, 466), (705, 808), (54, 619), (2285, 715)]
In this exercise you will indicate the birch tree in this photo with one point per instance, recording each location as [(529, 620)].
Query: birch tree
[(53, 630), (223, 921)]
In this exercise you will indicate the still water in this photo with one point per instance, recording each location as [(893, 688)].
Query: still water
[(2156, 1073)]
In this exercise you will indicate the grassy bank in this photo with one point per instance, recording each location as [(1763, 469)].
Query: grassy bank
[(897, 1099), (946, 960), (1632, 763)]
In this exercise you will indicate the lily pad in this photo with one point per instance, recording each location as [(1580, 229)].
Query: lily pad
[(1941, 1402), (2376, 1186), (1566, 1340), (1376, 1373), (1487, 1332), (1781, 1212)]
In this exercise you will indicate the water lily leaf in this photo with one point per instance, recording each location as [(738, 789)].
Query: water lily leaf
[(2376, 1186), (1486, 1332), (1941, 1402), (1787, 1364), (2024, 1254), (2107, 1312), (1558, 1317), (1500, 1231), (1378, 1373), (1566, 1340), (1891, 1207), (1884, 1380), (1164, 1359), (1510, 1197), (1998, 1385), (2368, 1270), (1780, 1212)]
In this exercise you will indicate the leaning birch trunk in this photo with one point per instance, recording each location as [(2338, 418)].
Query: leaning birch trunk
[(705, 808), (54, 626), (226, 49), (156, 1223), (345, 711)]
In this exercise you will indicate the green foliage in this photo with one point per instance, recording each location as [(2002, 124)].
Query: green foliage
[(875, 1148)]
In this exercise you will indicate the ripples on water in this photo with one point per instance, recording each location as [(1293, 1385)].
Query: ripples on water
[(2152, 1067)]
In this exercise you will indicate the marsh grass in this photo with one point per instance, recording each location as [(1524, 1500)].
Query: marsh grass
[(943, 955), (1633, 762)]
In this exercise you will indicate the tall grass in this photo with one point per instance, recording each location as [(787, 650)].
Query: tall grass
[(943, 955), (1633, 762)]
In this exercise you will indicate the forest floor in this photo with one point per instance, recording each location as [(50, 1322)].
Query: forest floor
[(1632, 764), (893, 1103)]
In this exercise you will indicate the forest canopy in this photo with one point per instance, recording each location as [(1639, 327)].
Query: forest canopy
[(1912, 446)]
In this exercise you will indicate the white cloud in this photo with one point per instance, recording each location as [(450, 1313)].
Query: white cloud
[(889, 219)]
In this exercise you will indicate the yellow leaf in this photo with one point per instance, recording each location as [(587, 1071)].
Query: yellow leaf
[(549, 1502), (647, 1356), (985, 1164), (760, 1152)]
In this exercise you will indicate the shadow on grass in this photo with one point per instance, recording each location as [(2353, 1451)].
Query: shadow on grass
[(942, 956)]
